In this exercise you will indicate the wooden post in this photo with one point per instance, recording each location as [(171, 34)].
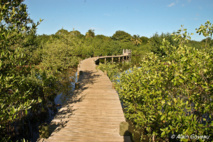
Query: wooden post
[(104, 60), (124, 126), (112, 59), (119, 59)]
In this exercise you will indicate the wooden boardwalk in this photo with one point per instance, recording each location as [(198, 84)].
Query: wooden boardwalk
[(93, 113)]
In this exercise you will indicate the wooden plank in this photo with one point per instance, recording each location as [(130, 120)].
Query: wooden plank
[(95, 113)]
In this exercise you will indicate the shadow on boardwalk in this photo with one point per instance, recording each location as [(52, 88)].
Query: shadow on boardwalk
[(88, 77), (93, 113), (63, 115)]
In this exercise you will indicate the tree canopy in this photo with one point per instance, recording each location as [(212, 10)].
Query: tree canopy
[(121, 36)]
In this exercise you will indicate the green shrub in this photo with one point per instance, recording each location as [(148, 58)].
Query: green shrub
[(170, 95)]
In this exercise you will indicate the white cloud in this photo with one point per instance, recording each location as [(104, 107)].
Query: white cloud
[(171, 4), (189, 0)]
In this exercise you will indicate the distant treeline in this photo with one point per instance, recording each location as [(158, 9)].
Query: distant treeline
[(73, 45)]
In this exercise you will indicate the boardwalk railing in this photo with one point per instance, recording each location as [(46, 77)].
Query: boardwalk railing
[(125, 56)]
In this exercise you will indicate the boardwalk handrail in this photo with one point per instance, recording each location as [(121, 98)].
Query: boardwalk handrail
[(126, 54)]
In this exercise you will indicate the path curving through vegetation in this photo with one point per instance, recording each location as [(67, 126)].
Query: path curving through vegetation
[(93, 114)]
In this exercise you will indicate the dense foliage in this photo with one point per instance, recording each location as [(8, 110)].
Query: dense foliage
[(21, 85), (171, 95)]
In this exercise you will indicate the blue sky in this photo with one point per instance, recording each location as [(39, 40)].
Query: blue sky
[(140, 17)]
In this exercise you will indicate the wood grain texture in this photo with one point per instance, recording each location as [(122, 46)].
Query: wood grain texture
[(93, 113)]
